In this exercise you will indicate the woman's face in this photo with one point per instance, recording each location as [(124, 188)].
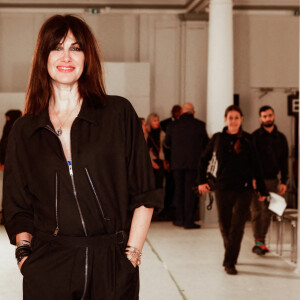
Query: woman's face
[(155, 123), (234, 121), (66, 62)]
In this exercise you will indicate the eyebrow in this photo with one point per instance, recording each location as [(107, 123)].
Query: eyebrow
[(76, 43)]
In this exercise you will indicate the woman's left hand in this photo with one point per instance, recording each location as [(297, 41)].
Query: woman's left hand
[(134, 262)]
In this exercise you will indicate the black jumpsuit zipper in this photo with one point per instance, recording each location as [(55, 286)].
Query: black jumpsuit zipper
[(96, 196), (55, 233), (78, 206)]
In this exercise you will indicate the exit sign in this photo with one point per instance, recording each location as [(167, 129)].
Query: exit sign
[(293, 105)]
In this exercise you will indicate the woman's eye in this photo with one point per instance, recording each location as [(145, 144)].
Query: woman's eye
[(75, 48), (58, 48)]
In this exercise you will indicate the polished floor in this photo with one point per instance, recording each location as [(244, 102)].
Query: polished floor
[(186, 264)]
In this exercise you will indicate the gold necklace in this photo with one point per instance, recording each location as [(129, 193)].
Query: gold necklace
[(59, 130)]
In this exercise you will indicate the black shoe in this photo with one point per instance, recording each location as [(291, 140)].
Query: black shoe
[(192, 226), (231, 270), (178, 223), (258, 250)]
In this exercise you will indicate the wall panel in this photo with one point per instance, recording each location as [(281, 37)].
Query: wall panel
[(194, 65), (166, 67)]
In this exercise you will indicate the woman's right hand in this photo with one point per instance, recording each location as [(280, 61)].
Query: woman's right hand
[(203, 188), (155, 165), (22, 262)]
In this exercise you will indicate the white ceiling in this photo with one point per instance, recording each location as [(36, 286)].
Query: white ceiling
[(197, 5), (100, 2)]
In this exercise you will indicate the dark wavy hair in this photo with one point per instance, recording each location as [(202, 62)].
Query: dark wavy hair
[(52, 32), (237, 144)]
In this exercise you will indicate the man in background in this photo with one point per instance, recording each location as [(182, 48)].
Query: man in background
[(272, 150), (176, 112), (186, 138), (167, 213)]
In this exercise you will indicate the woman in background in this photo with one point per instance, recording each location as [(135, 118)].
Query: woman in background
[(237, 174), (79, 191), (155, 141)]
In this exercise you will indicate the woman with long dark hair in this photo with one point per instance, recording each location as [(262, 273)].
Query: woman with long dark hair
[(79, 191), (238, 173)]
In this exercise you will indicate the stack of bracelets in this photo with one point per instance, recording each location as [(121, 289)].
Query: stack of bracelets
[(23, 249), (133, 253)]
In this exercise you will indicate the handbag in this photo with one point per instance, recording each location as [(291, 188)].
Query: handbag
[(212, 168)]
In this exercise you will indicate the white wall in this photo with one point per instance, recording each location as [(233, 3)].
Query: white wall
[(175, 52), (132, 81), (266, 56), (265, 48)]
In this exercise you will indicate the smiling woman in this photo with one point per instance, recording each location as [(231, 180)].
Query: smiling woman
[(79, 190), (66, 58)]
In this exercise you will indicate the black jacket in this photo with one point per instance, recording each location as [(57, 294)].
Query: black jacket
[(235, 170), (13, 115), (272, 150), (187, 138), (165, 123), (112, 173)]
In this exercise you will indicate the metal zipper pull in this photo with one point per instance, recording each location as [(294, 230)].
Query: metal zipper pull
[(70, 170), (55, 233)]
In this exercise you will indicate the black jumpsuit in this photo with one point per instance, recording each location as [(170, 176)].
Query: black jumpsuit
[(79, 215)]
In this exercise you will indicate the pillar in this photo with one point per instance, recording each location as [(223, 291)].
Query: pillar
[(220, 63)]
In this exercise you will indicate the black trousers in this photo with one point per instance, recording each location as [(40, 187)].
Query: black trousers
[(71, 268), (261, 215), (233, 212), (159, 174), (169, 190), (184, 197)]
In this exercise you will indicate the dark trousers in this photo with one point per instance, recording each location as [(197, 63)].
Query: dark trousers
[(233, 211), (184, 197), (169, 190), (61, 269), (260, 214), (159, 174)]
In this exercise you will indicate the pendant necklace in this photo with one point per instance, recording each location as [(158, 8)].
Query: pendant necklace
[(59, 130)]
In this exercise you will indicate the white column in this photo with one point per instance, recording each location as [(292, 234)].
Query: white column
[(220, 63)]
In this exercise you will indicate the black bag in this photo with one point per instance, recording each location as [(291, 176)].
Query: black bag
[(212, 168)]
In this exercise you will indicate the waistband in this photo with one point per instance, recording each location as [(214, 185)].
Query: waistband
[(89, 241)]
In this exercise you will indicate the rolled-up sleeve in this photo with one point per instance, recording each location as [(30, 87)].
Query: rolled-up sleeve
[(141, 183), (17, 201)]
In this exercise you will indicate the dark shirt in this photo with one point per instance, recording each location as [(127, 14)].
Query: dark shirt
[(111, 170), (165, 123), (153, 141), (272, 150), (235, 170), (187, 138)]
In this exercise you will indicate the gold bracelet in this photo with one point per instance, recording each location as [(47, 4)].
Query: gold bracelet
[(133, 253)]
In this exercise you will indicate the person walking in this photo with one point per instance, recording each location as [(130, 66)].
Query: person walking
[(272, 151), (237, 168), (186, 138), (79, 189)]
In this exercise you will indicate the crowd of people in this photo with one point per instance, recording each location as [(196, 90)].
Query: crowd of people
[(248, 168)]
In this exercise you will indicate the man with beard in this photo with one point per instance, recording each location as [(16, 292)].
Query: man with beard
[(272, 151)]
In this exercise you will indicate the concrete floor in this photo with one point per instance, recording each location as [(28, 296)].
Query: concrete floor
[(186, 264)]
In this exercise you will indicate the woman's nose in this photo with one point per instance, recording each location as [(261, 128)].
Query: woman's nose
[(66, 56)]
